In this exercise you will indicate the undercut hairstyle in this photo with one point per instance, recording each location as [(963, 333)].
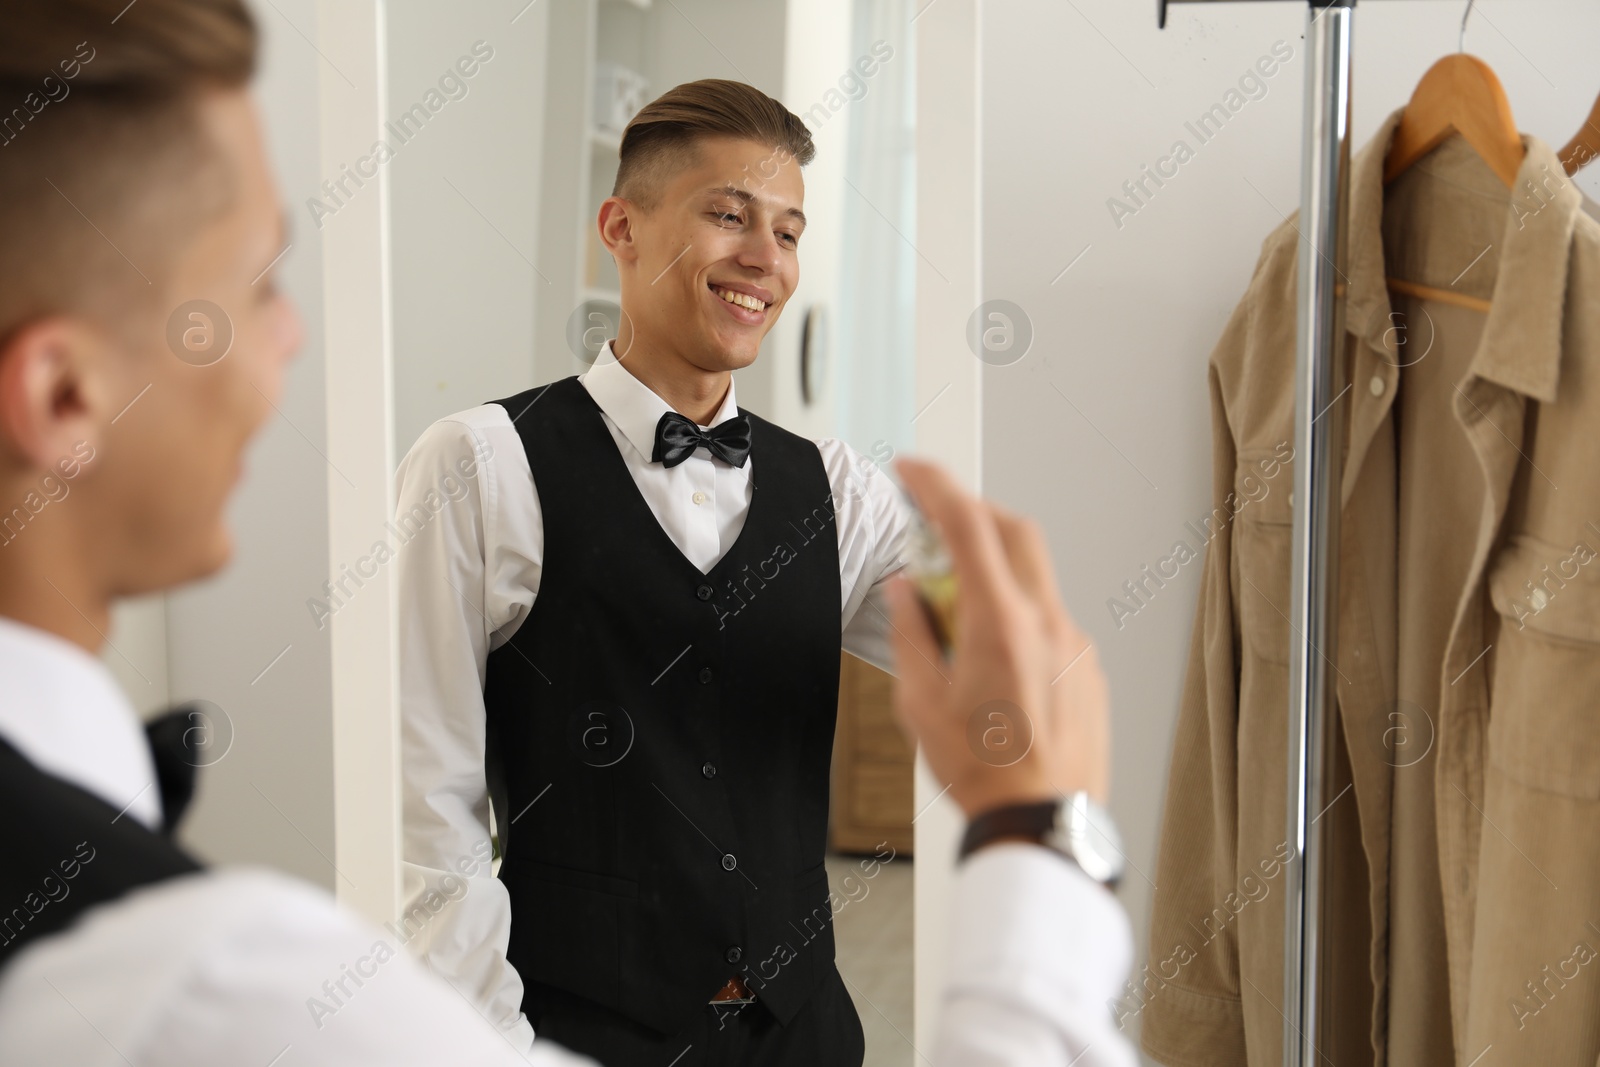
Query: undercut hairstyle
[(105, 170), (662, 140)]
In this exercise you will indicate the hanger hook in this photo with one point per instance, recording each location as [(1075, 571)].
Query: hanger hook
[(1461, 42)]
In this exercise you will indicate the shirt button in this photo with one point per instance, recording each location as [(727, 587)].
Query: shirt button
[(734, 954), (709, 770), (728, 862), (1376, 385), (699, 498), (705, 592), (705, 675), (1539, 599)]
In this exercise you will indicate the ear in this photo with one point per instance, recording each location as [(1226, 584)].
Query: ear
[(46, 408), (616, 228)]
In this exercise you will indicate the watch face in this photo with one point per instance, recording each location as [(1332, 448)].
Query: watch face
[(1087, 834)]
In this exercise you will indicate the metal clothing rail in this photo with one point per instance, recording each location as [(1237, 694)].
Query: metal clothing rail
[(1314, 598)]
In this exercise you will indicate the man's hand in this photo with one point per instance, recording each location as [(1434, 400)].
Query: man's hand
[(1019, 715)]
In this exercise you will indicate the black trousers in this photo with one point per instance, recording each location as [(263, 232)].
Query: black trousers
[(825, 1033)]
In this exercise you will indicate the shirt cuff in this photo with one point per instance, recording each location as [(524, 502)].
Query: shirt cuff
[(1036, 932)]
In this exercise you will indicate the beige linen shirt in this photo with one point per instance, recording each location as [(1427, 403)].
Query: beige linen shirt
[(1465, 810)]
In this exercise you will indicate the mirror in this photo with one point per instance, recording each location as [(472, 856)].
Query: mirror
[(505, 136)]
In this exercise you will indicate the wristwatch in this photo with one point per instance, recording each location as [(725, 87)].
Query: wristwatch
[(1075, 826)]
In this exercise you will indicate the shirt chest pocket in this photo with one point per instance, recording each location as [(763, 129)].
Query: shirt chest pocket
[(1544, 717), (1261, 513)]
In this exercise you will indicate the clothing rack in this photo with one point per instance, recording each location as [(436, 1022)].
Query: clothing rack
[(1314, 597)]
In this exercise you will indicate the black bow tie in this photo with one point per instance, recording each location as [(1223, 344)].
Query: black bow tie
[(177, 749), (677, 437)]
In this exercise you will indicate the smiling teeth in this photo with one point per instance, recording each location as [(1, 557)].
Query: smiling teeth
[(739, 298)]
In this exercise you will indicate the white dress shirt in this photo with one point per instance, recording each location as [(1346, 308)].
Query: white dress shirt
[(51, 712)]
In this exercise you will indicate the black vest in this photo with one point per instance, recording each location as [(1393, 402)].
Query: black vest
[(64, 850), (659, 739)]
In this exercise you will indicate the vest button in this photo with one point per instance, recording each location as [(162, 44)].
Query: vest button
[(705, 675), (709, 770), (728, 862), (734, 954), (705, 592)]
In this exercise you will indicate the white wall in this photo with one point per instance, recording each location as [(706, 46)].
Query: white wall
[(1076, 98), (948, 387), (464, 208), (817, 52)]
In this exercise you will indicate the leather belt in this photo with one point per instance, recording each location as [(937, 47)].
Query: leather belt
[(735, 990)]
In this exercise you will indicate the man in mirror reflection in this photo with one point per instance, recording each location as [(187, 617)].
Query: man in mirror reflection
[(626, 636)]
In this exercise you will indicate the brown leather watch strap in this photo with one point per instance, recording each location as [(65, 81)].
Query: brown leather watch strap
[(1020, 821)]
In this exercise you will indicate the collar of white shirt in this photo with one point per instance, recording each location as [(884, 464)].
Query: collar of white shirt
[(63, 710), (633, 406)]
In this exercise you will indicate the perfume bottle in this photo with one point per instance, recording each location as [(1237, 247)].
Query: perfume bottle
[(928, 567)]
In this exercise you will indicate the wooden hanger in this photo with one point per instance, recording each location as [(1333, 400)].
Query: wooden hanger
[(1585, 144), (1458, 94)]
